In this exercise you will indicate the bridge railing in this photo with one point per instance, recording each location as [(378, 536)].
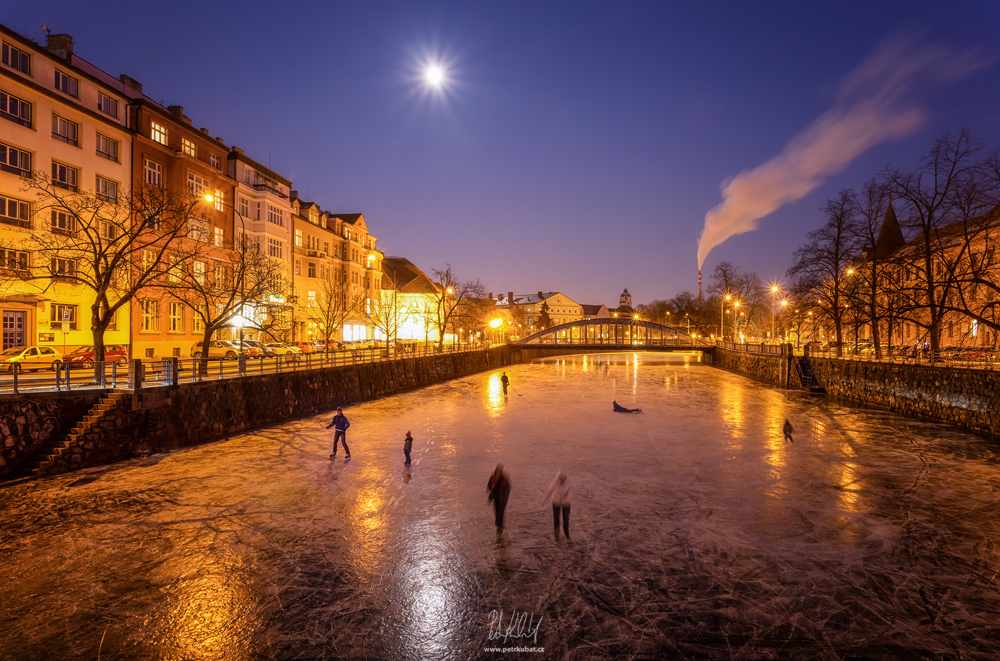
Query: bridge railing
[(755, 347)]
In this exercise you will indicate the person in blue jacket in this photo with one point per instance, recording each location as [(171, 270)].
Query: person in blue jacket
[(340, 425)]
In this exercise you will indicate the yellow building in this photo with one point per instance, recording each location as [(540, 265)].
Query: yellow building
[(61, 116), (415, 298), (561, 308)]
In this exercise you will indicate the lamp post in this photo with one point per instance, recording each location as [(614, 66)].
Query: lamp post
[(243, 237), (722, 318), (774, 290), (784, 304), (736, 319)]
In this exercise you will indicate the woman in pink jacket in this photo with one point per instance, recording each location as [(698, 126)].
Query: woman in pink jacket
[(562, 495)]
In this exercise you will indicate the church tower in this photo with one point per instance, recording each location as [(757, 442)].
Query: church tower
[(625, 300)]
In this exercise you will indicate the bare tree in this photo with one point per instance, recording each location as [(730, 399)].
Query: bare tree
[(877, 232), (822, 265), (388, 310), (930, 194), (113, 245), (451, 294), (336, 303), (241, 285)]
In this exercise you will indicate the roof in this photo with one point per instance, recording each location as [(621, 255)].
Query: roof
[(592, 309), (407, 278), (890, 237), (527, 299)]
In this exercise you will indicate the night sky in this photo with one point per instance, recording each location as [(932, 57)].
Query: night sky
[(575, 147)]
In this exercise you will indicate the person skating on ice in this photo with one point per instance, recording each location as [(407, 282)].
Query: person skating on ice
[(562, 495), (505, 382), (498, 489), (407, 447), (340, 425), (788, 431)]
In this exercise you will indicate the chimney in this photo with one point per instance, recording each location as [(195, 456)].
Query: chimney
[(131, 83), (510, 298), (236, 151), (178, 112), (540, 297), (204, 130), (219, 140), (293, 195), (60, 44), (491, 296)]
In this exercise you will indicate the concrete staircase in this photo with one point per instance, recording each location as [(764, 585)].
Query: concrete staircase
[(54, 449), (806, 377)]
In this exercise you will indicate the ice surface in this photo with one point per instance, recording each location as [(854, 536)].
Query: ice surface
[(697, 531)]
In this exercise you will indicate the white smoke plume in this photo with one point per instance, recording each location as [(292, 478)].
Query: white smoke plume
[(874, 104)]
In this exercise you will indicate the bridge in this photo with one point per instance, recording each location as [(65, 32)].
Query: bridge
[(613, 334)]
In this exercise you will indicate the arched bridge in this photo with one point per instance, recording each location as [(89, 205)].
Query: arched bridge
[(614, 333)]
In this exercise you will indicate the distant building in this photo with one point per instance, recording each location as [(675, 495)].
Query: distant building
[(624, 308), (562, 309), (596, 311), (416, 297)]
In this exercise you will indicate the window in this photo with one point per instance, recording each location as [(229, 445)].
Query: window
[(216, 161), (274, 215), (153, 173), (13, 260), (326, 247), (175, 317), (199, 272), (107, 190), (298, 238), (244, 207), (62, 267), (247, 175), (158, 133), (148, 260), (150, 315), (15, 109), (58, 313), (65, 130), (107, 147), (274, 248), (174, 271), (17, 58), (189, 147), (314, 218), (222, 275), (66, 83), (220, 237), (312, 269), (107, 105), (15, 160), (64, 176), (311, 299), (197, 185), (197, 324), (62, 222), (198, 230), (220, 200), (107, 231), (297, 268)]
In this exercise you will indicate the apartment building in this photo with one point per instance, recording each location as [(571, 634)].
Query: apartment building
[(562, 309), (170, 155), (63, 118), (334, 262)]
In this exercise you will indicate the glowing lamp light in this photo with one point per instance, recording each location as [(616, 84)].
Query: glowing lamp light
[(774, 289), (496, 323), (784, 303), (209, 198)]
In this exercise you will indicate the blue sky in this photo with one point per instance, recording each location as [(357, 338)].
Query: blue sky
[(577, 146)]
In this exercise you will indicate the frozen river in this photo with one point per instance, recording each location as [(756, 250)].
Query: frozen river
[(697, 531)]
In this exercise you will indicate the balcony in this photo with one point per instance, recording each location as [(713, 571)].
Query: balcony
[(269, 187)]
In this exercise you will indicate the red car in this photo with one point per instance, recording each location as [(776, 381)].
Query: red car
[(307, 347), (84, 356)]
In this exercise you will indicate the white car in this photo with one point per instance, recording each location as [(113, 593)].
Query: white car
[(216, 349), (281, 349)]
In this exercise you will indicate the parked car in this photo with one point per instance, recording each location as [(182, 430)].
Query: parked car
[(216, 349), (305, 347), (18, 359), (84, 356), (261, 346), (248, 348), (282, 349), (334, 345)]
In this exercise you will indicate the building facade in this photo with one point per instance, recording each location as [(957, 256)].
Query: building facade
[(63, 120)]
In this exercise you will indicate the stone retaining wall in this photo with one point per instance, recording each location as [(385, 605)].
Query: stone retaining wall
[(775, 370), (171, 417), (964, 398)]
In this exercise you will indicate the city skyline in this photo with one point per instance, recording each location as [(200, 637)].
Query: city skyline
[(559, 138)]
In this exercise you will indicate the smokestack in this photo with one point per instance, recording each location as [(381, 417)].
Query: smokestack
[(699, 285)]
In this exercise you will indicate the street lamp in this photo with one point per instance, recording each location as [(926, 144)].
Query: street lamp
[(722, 318), (774, 290), (243, 302)]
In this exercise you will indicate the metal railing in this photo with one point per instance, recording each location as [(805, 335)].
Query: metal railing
[(157, 372), (982, 358), (757, 347)]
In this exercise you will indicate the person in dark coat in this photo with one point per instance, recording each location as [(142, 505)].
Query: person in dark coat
[(788, 431), (618, 408), (505, 382), (407, 447), (340, 425), (498, 489)]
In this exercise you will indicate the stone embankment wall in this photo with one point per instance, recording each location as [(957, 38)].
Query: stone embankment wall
[(775, 370), (170, 417), (28, 422), (964, 398)]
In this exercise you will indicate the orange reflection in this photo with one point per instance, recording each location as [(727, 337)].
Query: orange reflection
[(367, 518), (494, 394)]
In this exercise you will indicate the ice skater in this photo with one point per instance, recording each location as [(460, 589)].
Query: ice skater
[(788, 431), (499, 491), (340, 425), (562, 495), (407, 447), (621, 409), (506, 382)]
